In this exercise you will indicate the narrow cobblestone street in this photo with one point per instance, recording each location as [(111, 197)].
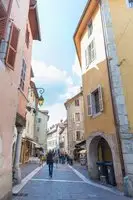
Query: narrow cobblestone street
[(65, 185)]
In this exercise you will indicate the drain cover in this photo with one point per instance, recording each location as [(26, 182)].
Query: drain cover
[(21, 195)]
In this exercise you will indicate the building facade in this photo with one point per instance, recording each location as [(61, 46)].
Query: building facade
[(42, 118), (18, 29), (63, 138), (75, 122), (28, 136), (100, 40), (53, 138)]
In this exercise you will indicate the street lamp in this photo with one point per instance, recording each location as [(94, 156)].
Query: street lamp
[(41, 99)]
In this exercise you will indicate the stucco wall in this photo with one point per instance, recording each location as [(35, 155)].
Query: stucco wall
[(123, 30), (9, 99), (94, 75), (105, 121)]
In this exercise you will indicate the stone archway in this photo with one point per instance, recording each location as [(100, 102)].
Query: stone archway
[(111, 146)]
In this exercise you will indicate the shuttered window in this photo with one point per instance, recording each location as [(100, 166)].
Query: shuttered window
[(3, 23), (77, 117), (89, 104), (76, 102), (95, 102), (90, 53), (12, 47), (78, 136), (27, 35), (23, 75)]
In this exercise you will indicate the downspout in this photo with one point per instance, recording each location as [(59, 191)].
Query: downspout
[(113, 105)]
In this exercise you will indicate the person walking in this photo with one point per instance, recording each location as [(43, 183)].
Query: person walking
[(50, 162), (41, 157)]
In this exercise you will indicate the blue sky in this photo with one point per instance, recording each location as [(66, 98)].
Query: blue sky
[(55, 67)]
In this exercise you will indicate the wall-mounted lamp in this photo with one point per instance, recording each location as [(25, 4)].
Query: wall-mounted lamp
[(41, 99)]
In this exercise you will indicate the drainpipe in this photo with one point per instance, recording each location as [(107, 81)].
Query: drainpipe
[(110, 84)]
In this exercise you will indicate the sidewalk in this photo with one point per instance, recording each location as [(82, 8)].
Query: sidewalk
[(82, 169), (27, 168)]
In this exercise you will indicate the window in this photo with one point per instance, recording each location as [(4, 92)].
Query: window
[(90, 29), (27, 35), (28, 127), (95, 102), (77, 102), (130, 3), (39, 120), (38, 129), (90, 53), (12, 47), (77, 117), (23, 75), (78, 135)]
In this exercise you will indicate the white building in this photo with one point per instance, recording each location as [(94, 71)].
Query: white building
[(57, 137), (41, 128), (53, 138), (63, 138)]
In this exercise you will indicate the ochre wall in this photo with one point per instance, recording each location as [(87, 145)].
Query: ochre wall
[(122, 20), (105, 121)]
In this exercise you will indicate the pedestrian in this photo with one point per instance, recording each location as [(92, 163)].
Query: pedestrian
[(50, 162), (41, 157)]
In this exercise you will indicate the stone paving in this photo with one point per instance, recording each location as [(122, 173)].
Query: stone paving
[(65, 185), (27, 168)]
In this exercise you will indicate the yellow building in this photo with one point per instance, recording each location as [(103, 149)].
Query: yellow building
[(103, 41)]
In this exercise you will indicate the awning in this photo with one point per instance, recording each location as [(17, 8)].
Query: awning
[(33, 142), (83, 151)]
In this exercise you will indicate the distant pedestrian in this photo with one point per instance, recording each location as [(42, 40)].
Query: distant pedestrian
[(50, 162), (56, 160), (41, 157)]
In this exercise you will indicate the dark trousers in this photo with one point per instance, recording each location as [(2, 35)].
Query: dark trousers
[(50, 169)]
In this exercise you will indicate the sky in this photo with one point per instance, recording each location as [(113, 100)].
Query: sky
[(54, 61)]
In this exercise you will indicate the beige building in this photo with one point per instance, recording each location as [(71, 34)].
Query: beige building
[(75, 120), (18, 28), (104, 48)]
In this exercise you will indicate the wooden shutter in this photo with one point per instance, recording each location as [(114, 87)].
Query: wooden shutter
[(89, 104), (86, 57), (12, 47), (100, 92), (3, 24)]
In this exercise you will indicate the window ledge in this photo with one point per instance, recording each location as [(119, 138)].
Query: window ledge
[(96, 115)]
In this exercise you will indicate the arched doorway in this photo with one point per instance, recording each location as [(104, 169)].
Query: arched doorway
[(101, 160), (103, 151)]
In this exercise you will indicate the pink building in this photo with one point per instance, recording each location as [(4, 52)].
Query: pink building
[(19, 26)]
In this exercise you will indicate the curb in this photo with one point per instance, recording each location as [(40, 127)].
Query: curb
[(16, 189)]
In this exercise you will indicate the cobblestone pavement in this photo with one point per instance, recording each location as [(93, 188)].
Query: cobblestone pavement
[(65, 185), (27, 168)]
